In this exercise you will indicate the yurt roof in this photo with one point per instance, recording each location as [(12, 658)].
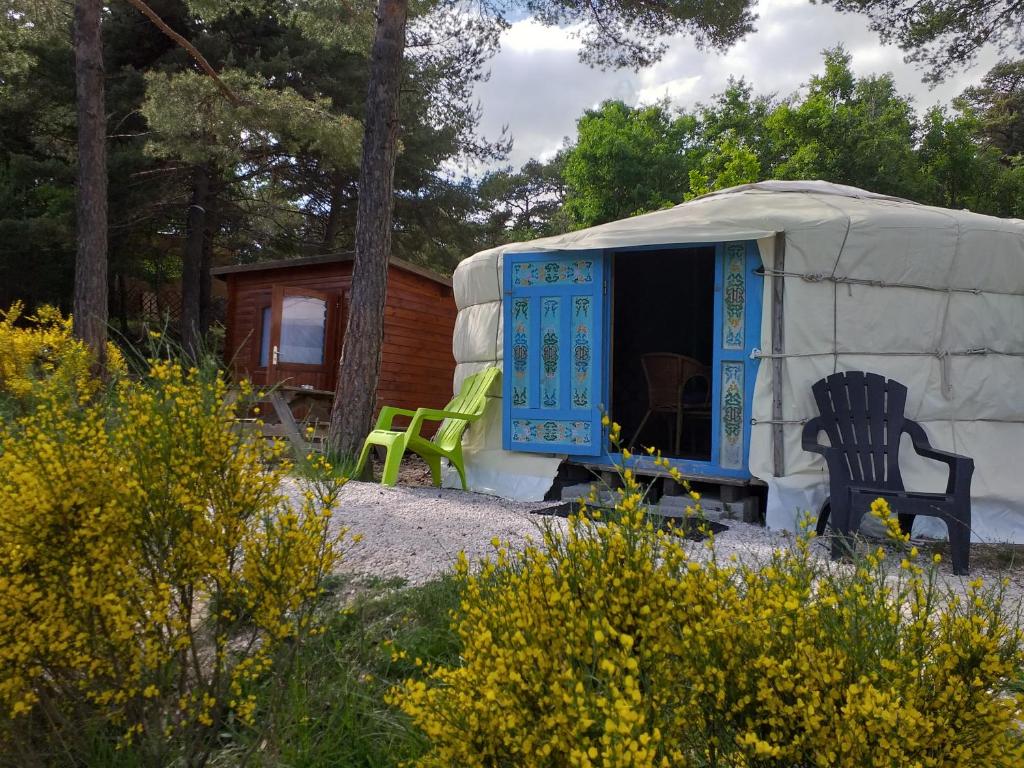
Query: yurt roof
[(759, 210)]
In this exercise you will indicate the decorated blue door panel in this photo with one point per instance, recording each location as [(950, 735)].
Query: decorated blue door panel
[(739, 287), (553, 318)]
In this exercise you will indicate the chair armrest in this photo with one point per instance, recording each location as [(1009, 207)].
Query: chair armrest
[(435, 414), (388, 413), (809, 437), (960, 467)]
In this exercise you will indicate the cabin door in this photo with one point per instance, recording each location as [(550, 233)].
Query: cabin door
[(553, 320), (302, 338)]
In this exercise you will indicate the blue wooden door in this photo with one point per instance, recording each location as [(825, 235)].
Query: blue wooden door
[(552, 382), (739, 287)]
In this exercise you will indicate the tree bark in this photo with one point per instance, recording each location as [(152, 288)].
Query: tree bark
[(192, 263), (121, 301), (205, 281), (333, 225), (90, 294), (359, 369)]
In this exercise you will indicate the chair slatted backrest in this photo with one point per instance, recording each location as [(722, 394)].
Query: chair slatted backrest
[(471, 401), (862, 414), (667, 374)]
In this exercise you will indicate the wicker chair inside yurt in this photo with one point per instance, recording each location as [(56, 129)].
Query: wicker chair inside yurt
[(677, 385)]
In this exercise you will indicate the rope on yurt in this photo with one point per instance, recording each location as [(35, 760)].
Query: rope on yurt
[(947, 384), (835, 286), (820, 277), (952, 420), (938, 353)]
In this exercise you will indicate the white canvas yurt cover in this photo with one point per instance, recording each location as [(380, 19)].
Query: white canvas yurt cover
[(933, 298)]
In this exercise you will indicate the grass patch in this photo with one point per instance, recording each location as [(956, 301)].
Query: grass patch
[(332, 711)]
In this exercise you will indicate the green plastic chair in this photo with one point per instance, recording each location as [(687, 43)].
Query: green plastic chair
[(446, 443)]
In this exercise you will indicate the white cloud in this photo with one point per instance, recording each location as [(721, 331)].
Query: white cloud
[(538, 88), (678, 90), (530, 36)]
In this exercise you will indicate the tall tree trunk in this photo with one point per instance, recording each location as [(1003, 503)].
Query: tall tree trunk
[(359, 369), (90, 295), (205, 282), (333, 225), (192, 262), (121, 301)]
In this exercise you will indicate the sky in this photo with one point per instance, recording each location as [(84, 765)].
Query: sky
[(538, 88)]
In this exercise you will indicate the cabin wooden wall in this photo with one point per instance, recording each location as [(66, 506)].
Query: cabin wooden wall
[(417, 364)]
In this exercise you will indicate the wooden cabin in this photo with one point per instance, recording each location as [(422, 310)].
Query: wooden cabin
[(286, 322)]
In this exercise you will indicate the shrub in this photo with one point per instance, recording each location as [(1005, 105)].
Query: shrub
[(39, 348), (152, 568), (609, 644)]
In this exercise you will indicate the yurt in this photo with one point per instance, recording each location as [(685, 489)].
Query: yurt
[(701, 329)]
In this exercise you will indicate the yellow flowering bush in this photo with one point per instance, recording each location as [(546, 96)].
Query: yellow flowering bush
[(39, 347), (153, 569), (611, 644)]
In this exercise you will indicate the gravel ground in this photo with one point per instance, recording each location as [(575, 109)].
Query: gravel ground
[(415, 532)]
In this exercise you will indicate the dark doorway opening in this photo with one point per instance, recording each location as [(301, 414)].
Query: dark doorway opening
[(662, 349)]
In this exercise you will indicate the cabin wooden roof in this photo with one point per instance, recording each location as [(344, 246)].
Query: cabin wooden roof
[(330, 258)]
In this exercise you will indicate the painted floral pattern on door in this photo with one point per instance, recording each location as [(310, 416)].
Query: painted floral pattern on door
[(528, 273), (548, 431), (520, 351), (550, 331), (731, 435), (582, 351), (734, 295)]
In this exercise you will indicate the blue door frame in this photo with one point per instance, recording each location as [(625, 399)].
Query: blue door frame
[(738, 299)]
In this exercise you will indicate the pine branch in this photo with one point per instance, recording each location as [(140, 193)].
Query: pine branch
[(150, 14)]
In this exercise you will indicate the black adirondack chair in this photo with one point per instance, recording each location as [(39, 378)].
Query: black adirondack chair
[(862, 414)]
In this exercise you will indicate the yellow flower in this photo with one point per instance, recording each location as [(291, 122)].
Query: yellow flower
[(617, 646), (155, 465)]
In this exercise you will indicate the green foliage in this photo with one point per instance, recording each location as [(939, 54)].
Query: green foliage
[(330, 711), (941, 36), (333, 713), (849, 130), (843, 128), (36, 165), (282, 165), (728, 163), (625, 161), (193, 122), (348, 25), (951, 161), (524, 204), (998, 105)]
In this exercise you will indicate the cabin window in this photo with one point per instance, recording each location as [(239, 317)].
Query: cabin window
[(303, 327), (663, 349), (265, 337)]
